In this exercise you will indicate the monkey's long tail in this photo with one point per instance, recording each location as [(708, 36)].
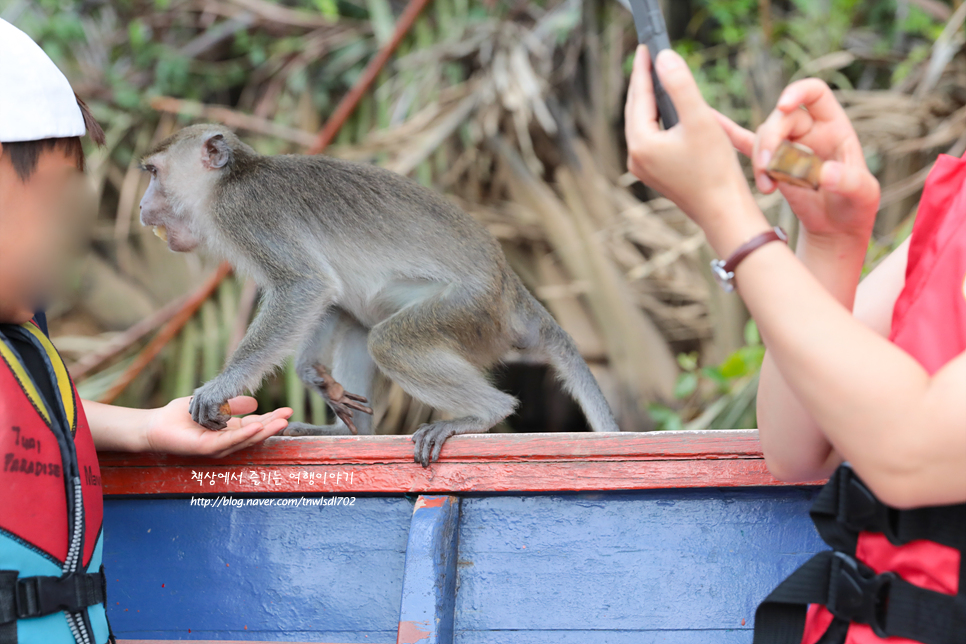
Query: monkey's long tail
[(574, 373)]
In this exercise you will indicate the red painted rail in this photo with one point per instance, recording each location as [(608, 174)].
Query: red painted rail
[(475, 463)]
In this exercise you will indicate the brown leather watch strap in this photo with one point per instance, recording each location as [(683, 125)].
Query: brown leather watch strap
[(756, 242), (724, 271)]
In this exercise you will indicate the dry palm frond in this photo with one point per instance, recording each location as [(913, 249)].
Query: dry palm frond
[(517, 116)]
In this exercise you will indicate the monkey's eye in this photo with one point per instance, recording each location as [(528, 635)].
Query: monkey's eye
[(150, 168)]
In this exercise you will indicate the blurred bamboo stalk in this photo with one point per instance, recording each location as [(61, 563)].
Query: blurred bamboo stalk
[(167, 332), (123, 341), (246, 305), (349, 102)]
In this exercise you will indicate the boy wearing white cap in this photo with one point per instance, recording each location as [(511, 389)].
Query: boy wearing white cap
[(52, 586)]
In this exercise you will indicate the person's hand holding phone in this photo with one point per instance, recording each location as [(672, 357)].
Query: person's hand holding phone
[(693, 163)]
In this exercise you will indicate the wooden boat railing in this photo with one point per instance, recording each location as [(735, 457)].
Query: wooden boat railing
[(471, 463)]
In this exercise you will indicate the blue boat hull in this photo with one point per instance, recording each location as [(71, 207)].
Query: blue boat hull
[(641, 566)]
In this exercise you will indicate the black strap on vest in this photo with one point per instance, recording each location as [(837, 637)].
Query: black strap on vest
[(845, 507), (851, 590), (28, 597), (8, 630), (853, 593)]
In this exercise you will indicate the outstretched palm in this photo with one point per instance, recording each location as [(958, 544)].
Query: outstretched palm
[(171, 429)]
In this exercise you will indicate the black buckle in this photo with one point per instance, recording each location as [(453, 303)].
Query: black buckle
[(857, 594), (38, 596), (858, 508)]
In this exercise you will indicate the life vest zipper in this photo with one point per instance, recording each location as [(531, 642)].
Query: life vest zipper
[(73, 551), (75, 620), (77, 627)]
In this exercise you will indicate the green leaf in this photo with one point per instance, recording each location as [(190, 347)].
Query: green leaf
[(383, 22), (688, 361), (137, 33), (665, 418), (734, 366), (257, 55), (126, 97), (686, 385), (752, 357), (714, 374), (328, 8), (752, 337)]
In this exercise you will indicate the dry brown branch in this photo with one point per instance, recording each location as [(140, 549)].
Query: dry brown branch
[(232, 118), (123, 341)]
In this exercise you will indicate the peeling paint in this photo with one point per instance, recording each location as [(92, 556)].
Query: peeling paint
[(411, 632), (432, 501)]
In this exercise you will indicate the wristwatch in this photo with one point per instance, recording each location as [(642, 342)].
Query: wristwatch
[(724, 271)]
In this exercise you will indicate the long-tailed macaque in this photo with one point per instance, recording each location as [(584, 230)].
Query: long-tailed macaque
[(363, 270)]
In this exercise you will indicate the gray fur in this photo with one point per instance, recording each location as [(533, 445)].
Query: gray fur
[(361, 268)]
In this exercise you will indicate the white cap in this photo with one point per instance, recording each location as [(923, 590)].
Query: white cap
[(36, 100)]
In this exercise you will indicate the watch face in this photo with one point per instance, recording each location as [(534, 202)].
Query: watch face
[(724, 278)]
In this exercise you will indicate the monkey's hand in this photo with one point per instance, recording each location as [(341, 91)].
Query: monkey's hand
[(339, 400), (209, 406)]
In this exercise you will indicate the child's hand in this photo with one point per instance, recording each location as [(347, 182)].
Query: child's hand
[(693, 163), (848, 196), (171, 429)]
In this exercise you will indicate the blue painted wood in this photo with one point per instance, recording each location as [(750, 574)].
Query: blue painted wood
[(617, 567), (610, 637), (649, 566), (429, 583), (322, 573)]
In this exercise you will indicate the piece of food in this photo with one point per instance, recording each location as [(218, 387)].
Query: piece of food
[(161, 232), (795, 164)]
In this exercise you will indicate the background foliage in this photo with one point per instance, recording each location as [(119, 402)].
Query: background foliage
[(514, 109)]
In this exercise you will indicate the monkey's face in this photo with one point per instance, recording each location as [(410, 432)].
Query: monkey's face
[(170, 204), (184, 171), (157, 211)]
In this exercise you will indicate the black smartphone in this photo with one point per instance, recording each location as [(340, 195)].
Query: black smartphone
[(652, 31)]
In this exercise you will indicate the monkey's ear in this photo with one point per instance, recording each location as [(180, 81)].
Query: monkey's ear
[(215, 153)]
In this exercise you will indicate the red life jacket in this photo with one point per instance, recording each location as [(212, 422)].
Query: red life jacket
[(894, 575), (52, 586)]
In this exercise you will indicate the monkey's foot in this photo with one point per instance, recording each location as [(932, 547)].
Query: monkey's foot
[(339, 400), (429, 441), (305, 429)]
